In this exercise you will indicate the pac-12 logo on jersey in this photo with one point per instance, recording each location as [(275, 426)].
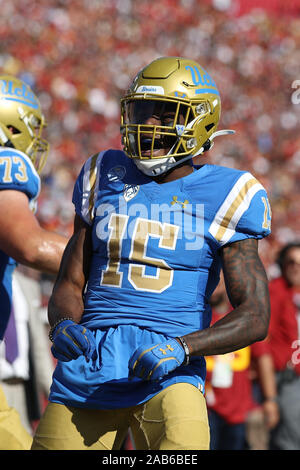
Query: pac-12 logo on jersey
[(130, 191)]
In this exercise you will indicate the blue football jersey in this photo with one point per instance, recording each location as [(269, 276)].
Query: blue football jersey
[(16, 173), (155, 263)]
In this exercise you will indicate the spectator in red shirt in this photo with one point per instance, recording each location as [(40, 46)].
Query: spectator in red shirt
[(284, 340), (229, 386)]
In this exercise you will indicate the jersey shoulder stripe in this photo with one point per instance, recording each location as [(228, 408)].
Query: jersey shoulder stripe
[(90, 183), (234, 206)]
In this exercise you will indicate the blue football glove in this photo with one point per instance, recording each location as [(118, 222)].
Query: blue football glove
[(156, 361), (71, 340)]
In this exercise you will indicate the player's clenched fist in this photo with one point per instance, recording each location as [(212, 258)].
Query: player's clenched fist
[(71, 340), (155, 361)]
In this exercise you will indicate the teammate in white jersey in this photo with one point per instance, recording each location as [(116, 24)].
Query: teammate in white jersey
[(153, 231)]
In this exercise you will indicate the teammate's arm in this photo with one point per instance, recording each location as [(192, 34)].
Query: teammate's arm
[(22, 237), (247, 288)]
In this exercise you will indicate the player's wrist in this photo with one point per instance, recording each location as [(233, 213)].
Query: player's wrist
[(59, 322), (271, 399), (183, 343)]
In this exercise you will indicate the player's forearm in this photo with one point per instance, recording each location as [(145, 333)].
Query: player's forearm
[(266, 374), (247, 288), (241, 327), (43, 251), (66, 301)]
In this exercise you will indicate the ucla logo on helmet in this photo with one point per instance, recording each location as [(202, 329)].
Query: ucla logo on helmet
[(10, 91), (203, 80)]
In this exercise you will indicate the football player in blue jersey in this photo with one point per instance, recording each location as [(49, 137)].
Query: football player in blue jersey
[(129, 313), (23, 153)]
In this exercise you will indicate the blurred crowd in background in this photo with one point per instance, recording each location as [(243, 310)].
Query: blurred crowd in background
[(80, 56)]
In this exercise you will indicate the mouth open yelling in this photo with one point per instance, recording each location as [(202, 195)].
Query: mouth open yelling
[(154, 147)]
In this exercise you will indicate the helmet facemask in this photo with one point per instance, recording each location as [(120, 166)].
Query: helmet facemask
[(38, 149), (174, 138), (169, 84), (146, 140)]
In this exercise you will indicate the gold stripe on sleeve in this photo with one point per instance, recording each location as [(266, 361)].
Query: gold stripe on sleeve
[(233, 207)]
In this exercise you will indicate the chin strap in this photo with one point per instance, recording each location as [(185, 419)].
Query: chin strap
[(210, 144), (158, 166)]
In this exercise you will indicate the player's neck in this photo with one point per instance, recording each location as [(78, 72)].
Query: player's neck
[(175, 174)]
